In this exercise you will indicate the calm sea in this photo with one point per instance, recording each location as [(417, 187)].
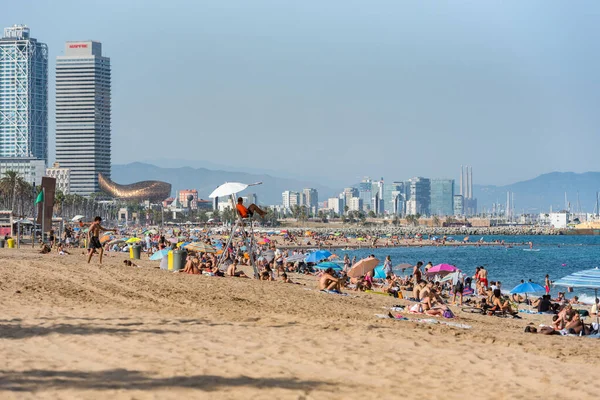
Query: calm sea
[(558, 256)]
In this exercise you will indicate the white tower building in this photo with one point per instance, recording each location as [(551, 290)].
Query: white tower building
[(83, 142)]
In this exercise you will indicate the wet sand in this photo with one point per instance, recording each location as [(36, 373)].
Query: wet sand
[(71, 330)]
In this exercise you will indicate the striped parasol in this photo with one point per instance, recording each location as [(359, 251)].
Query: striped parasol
[(589, 278), (200, 247)]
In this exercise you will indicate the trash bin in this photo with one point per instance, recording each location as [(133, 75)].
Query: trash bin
[(135, 252), (2, 243), (177, 259), (11, 243)]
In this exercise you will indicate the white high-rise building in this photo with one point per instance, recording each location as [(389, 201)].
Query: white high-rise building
[(62, 176), (23, 95), (83, 114), (290, 199), (356, 204)]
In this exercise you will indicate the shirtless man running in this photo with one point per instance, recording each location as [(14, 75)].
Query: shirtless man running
[(94, 238)]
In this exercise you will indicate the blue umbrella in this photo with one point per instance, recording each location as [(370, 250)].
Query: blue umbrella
[(317, 256), (527, 287), (159, 255), (328, 264)]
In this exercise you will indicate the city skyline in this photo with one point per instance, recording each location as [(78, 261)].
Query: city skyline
[(459, 94)]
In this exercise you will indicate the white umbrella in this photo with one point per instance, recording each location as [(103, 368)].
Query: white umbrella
[(77, 218), (229, 188)]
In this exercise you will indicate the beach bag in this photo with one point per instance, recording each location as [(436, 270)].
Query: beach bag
[(448, 314)]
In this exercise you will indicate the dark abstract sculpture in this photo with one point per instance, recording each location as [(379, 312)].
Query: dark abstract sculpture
[(155, 191)]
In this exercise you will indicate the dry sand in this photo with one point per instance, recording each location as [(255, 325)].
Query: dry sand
[(72, 330)]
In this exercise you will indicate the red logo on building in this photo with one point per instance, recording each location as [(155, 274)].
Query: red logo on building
[(78, 46)]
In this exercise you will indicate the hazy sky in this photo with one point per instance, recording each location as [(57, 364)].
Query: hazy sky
[(342, 89)]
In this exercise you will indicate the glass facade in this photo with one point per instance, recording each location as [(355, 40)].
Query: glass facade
[(393, 198), (420, 196), (23, 95), (442, 197)]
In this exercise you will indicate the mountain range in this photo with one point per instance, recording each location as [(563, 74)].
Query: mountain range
[(206, 180), (532, 196), (545, 191)]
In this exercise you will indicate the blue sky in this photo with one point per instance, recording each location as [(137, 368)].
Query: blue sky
[(341, 89)]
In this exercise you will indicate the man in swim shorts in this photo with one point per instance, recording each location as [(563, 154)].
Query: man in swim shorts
[(94, 238)]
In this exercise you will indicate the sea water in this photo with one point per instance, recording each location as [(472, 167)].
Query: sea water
[(558, 256)]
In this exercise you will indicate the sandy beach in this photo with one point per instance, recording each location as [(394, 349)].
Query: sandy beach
[(69, 330)]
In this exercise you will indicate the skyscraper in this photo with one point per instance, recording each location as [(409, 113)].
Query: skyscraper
[(420, 196), (442, 197), (393, 198), (290, 199), (364, 190), (311, 200), (23, 95), (83, 114)]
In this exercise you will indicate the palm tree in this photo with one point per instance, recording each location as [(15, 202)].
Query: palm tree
[(12, 185), (436, 220)]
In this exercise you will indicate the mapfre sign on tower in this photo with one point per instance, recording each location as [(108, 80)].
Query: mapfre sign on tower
[(78, 46)]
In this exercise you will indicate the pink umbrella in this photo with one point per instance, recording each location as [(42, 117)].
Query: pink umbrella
[(173, 240), (441, 269)]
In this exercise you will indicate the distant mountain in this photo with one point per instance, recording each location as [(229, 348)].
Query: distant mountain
[(177, 163), (547, 190), (206, 180)]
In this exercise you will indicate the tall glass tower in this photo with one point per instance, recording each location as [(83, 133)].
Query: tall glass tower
[(442, 197), (83, 142), (23, 95)]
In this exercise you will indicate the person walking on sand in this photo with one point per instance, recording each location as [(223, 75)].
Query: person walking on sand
[(547, 283), (93, 238)]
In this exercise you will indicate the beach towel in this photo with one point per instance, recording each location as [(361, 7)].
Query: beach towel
[(416, 309), (334, 292)]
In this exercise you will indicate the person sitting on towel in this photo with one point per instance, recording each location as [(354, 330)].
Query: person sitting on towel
[(329, 282)]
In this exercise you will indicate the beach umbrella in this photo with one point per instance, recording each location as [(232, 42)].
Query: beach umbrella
[(77, 218), (589, 279), (227, 189), (159, 255), (115, 241), (296, 257), (379, 273), (264, 241), (173, 240), (317, 256), (399, 269), (527, 287), (328, 264), (362, 267), (269, 255), (200, 247), (441, 269), (132, 240)]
